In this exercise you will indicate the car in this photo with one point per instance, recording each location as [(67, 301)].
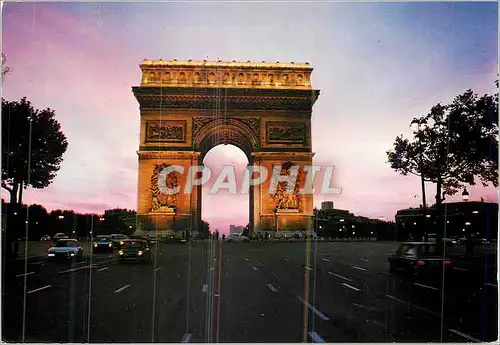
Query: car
[(45, 238), (103, 243), (59, 236), (148, 240), (135, 250), (117, 239), (419, 258), (65, 249), (237, 238)]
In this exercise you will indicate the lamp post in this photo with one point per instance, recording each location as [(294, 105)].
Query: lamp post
[(275, 211), (417, 127)]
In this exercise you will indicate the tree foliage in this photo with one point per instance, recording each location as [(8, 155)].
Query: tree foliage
[(456, 145), (31, 139), (5, 68)]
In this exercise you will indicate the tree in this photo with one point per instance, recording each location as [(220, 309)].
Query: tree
[(5, 68), (457, 145), (31, 139)]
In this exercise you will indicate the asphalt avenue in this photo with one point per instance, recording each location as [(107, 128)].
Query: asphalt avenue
[(246, 292)]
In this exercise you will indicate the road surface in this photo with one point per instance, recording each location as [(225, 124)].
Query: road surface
[(245, 292)]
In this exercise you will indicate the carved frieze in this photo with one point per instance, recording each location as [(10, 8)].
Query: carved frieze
[(161, 202), (253, 123), (285, 201), (166, 131), (199, 123), (286, 132), (233, 74)]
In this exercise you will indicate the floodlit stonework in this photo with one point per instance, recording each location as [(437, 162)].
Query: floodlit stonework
[(188, 107)]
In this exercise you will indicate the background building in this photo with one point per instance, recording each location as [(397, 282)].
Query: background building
[(473, 218), (336, 223), (327, 205), (233, 229)]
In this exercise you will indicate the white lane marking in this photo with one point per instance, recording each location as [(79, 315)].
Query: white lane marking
[(426, 286), (205, 288), (327, 260), (102, 269), (359, 268), (272, 288), (363, 259), (39, 289), (246, 259), (316, 311), (186, 338), (308, 268), (76, 269), (122, 288), (491, 284), (286, 259), (275, 276), (466, 336), (396, 299), (157, 268), (25, 274), (460, 269), (339, 276), (37, 263), (315, 337), (255, 268), (427, 311), (350, 287)]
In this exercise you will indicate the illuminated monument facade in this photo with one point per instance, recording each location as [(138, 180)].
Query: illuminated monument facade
[(188, 107)]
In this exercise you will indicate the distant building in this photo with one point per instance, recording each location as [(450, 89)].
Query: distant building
[(335, 223), (233, 229), (327, 205), (474, 218)]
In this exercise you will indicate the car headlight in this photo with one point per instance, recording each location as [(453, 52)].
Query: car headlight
[(51, 254), (140, 253), (71, 254), (95, 244), (120, 252), (121, 242), (110, 245)]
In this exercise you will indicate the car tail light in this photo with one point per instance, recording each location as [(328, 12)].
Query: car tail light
[(447, 262), (420, 262)]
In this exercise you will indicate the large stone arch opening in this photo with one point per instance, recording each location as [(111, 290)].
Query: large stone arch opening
[(224, 206), (189, 107)]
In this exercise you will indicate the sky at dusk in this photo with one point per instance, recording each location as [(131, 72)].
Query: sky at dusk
[(377, 65)]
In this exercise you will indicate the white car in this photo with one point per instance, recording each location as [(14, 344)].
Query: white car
[(65, 249), (237, 238)]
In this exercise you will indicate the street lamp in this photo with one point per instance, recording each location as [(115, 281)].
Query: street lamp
[(275, 211), (465, 195)]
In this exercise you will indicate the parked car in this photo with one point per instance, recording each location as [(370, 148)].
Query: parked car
[(65, 249), (135, 250)]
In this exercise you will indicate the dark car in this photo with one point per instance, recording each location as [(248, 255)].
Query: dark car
[(142, 238), (420, 258), (103, 244), (117, 239), (65, 249), (132, 249)]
